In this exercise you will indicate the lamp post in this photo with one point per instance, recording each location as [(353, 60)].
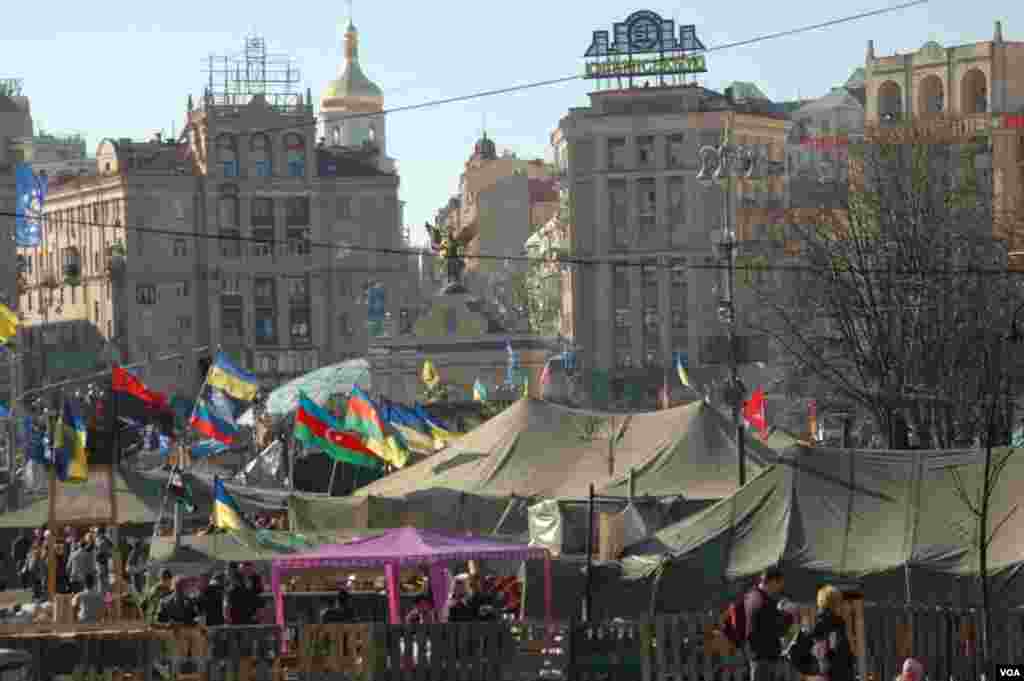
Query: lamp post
[(716, 164)]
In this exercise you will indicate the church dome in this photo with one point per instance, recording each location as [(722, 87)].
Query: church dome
[(485, 149), (353, 84)]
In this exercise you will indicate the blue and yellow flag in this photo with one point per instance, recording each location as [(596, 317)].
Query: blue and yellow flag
[(226, 513), (237, 383), (74, 441), (8, 324), (684, 377), (479, 391)]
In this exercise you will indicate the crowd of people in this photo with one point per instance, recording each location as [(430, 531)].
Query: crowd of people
[(228, 598)]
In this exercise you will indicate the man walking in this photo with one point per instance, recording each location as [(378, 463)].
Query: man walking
[(766, 626)]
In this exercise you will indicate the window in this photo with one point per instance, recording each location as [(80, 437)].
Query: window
[(623, 359), (300, 325), (232, 328), (618, 211), (179, 209), (344, 327), (649, 275), (264, 293), (651, 320), (344, 286), (180, 247), (675, 151), (227, 207), (230, 243), (263, 212), (677, 278), (298, 290), (295, 149), (299, 241), (297, 210), (617, 153), (266, 333), (679, 318), (183, 289), (620, 283), (676, 207), (645, 152), (266, 363), (145, 294), (405, 321), (230, 286), (344, 206), (227, 155), (184, 323), (259, 151)]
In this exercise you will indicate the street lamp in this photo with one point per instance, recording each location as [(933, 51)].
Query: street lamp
[(718, 163)]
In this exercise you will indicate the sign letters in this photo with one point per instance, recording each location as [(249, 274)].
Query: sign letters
[(645, 45)]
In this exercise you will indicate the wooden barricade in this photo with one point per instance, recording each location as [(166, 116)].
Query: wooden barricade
[(542, 651), (471, 651), (331, 649), (606, 650), (121, 652)]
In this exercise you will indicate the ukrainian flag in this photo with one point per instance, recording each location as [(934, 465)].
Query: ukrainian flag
[(237, 383), (479, 391), (74, 440), (8, 324), (226, 513)]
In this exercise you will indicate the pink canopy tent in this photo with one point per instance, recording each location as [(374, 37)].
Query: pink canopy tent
[(407, 546)]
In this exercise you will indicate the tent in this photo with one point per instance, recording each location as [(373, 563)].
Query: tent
[(893, 521), (536, 449), (400, 547)]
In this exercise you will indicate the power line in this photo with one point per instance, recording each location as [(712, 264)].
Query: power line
[(634, 260)]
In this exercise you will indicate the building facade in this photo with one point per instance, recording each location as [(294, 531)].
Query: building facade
[(637, 210)]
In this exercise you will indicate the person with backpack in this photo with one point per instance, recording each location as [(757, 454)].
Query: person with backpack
[(761, 626), (832, 647)]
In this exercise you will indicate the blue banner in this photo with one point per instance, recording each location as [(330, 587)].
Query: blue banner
[(31, 190), (376, 303)]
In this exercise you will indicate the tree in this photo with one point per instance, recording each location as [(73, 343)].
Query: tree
[(893, 304), (903, 305)]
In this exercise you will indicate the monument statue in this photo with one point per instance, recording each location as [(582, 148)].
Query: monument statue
[(451, 249)]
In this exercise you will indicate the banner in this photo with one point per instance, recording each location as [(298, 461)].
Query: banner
[(87, 501), (31, 192)]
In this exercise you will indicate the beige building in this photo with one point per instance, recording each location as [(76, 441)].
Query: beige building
[(630, 162), (275, 277)]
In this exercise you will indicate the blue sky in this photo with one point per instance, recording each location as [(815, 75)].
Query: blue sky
[(117, 69)]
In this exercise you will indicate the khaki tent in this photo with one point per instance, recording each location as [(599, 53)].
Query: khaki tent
[(893, 521), (537, 449)]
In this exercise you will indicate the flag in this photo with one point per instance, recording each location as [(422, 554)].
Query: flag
[(136, 401), (236, 382), (417, 441), (545, 375), (812, 419), (205, 448), (684, 377), (181, 491), (226, 513), (207, 422), (4, 411), (315, 427), (361, 416), (754, 412), (479, 391), (73, 441), (56, 455), (8, 325), (429, 374), (31, 195)]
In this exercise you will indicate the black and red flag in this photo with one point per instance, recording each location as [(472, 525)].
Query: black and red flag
[(130, 400)]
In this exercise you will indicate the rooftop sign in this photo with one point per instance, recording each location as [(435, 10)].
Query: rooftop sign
[(645, 45)]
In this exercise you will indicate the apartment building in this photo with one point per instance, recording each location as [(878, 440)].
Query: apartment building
[(630, 161)]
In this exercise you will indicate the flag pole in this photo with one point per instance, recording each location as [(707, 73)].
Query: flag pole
[(330, 485)]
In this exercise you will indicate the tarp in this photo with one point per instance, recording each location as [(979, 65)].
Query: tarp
[(536, 449), (408, 546), (842, 515)]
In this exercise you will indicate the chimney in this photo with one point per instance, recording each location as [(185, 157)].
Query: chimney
[(998, 37), (871, 50)]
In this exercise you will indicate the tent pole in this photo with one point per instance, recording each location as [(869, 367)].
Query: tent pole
[(334, 471), (588, 598)]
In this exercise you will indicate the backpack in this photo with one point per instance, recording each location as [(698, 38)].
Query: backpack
[(800, 653), (734, 621)]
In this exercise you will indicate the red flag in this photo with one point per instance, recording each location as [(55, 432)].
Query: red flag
[(126, 384), (754, 412)]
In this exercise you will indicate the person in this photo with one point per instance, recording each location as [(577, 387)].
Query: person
[(341, 612), (136, 565), (422, 612), (178, 607), (89, 603), (237, 598), (104, 557), (481, 600), (831, 643), (19, 552), (257, 603), (458, 601), (81, 562), (211, 601), (152, 599), (766, 626), (912, 671), (36, 570)]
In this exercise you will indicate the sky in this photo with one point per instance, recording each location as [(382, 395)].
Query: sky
[(115, 68)]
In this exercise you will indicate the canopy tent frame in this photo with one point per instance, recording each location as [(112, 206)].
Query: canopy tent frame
[(433, 550)]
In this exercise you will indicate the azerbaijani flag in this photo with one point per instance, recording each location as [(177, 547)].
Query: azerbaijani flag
[(315, 426), (237, 383), (362, 417), (226, 513)]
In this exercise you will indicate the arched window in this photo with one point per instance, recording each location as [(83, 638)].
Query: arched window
[(973, 93), (890, 102), (336, 136), (295, 148), (227, 155), (227, 208), (259, 150), (931, 97)]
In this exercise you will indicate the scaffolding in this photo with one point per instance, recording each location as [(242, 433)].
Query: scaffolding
[(233, 80)]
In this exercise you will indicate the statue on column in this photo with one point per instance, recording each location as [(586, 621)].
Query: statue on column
[(451, 249)]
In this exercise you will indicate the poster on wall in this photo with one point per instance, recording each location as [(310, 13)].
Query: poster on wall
[(86, 502)]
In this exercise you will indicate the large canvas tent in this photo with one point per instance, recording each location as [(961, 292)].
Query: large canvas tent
[(536, 449), (891, 520)]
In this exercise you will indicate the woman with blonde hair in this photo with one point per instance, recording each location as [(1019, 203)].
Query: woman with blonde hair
[(832, 646)]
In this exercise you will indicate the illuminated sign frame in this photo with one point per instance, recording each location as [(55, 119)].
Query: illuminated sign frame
[(645, 33)]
